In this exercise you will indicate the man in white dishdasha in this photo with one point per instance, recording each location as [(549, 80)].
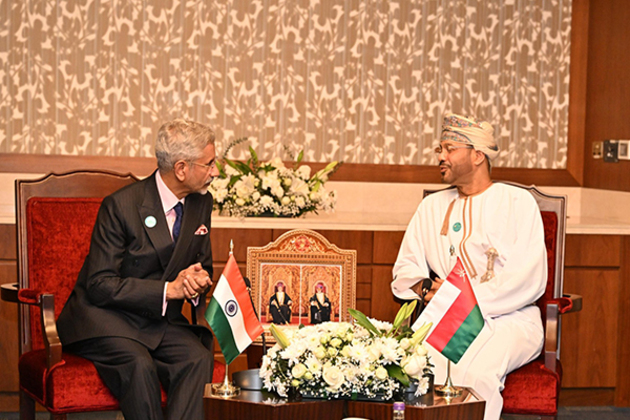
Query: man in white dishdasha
[(475, 218)]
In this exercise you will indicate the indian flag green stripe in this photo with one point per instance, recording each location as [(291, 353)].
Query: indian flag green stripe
[(222, 330), (464, 336)]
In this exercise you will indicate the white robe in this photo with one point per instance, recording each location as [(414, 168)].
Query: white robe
[(508, 219)]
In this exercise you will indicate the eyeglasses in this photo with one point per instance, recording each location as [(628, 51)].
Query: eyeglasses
[(207, 166), (450, 148)]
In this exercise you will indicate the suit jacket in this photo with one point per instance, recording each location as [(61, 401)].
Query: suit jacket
[(120, 289)]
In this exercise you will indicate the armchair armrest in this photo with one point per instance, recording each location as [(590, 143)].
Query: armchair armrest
[(566, 304), (46, 304)]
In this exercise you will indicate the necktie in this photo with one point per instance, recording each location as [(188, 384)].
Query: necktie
[(179, 212)]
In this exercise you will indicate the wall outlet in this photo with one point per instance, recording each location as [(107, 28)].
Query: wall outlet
[(611, 151), (597, 149)]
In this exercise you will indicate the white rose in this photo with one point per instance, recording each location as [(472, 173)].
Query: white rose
[(320, 352), (335, 342), (255, 196), (220, 195), (298, 370), (287, 182), (414, 366), (285, 200), (278, 191), (300, 202), (240, 202), (333, 377), (304, 171), (381, 373), (266, 200), (308, 375)]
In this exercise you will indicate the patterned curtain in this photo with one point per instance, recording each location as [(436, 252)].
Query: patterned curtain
[(360, 81)]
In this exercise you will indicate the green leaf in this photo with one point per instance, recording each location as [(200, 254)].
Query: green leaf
[(231, 163), (300, 156), (243, 168), (363, 321), (396, 372), (222, 173), (254, 157)]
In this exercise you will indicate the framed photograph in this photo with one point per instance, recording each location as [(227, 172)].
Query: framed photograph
[(301, 278)]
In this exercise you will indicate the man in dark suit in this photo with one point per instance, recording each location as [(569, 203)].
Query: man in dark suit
[(146, 258)]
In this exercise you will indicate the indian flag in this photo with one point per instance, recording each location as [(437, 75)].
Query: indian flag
[(455, 314), (231, 314)]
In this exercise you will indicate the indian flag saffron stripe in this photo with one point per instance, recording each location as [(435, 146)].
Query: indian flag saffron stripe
[(231, 314)]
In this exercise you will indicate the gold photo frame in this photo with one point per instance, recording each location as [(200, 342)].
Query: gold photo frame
[(301, 278)]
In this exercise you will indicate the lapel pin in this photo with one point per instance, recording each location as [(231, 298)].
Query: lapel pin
[(150, 221)]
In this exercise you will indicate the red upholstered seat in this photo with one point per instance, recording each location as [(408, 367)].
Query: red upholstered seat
[(532, 389), (55, 219)]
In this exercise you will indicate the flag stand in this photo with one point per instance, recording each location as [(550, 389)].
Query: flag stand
[(447, 390), (225, 389)]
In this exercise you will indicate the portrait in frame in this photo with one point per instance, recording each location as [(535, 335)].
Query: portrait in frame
[(301, 278)]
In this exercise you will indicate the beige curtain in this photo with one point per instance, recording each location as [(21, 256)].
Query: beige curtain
[(360, 81)]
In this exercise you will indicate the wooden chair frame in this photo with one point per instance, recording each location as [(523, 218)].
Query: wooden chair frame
[(76, 184)]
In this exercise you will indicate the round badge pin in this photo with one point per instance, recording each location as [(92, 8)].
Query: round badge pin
[(457, 227), (150, 221)]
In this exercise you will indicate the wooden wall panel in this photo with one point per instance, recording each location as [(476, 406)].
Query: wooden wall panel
[(364, 282), (8, 245), (386, 246), (384, 306), (242, 238), (608, 91), (592, 251), (589, 337)]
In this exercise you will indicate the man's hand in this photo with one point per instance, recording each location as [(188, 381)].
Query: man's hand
[(437, 282), (189, 284), (425, 294)]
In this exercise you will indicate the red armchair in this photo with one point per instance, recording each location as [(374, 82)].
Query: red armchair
[(55, 216), (534, 389)]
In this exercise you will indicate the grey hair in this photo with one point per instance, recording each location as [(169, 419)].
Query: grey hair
[(181, 140)]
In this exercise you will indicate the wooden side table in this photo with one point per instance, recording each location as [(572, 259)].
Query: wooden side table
[(263, 406)]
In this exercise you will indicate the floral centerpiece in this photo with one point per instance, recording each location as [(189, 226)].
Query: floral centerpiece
[(255, 188), (369, 358)]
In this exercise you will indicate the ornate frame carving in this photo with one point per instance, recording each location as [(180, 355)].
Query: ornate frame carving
[(302, 258)]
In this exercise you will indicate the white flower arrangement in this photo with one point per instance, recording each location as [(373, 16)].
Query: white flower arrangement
[(256, 188), (343, 360)]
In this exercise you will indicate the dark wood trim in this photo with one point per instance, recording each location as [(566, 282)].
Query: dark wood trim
[(32, 163), (578, 90), (575, 397), (622, 390), (44, 164)]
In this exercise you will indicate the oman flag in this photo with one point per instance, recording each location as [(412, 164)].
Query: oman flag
[(455, 315), (231, 314)]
